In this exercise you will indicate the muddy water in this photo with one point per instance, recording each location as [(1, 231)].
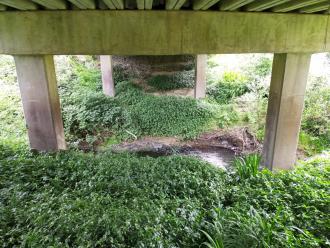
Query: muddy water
[(219, 157)]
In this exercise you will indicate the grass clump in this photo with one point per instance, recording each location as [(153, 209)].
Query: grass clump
[(247, 166), (185, 79)]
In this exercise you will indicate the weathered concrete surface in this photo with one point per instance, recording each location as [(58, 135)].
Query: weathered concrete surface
[(160, 32), (144, 67), (200, 76), (107, 78), (285, 106), (37, 81), (327, 42)]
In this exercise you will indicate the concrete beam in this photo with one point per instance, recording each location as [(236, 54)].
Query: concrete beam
[(52, 4), (200, 76), (316, 7), (327, 12), (285, 106), (119, 4), (144, 4), (170, 4), (41, 104), (203, 4), (114, 4), (3, 7), (233, 4), (209, 4), (292, 5), (148, 4), (107, 78), (174, 32), (264, 4), (102, 6), (84, 4), (20, 4), (174, 4)]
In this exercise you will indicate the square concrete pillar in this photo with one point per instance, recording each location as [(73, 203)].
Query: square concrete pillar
[(200, 76), (41, 104), (107, 78), (285, 107)]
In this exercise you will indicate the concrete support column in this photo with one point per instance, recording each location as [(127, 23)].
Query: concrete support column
[(41, 104), (107, 78), (200, 76), (285, 106)]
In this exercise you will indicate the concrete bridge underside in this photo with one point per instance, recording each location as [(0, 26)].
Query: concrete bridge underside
[(34, 36)]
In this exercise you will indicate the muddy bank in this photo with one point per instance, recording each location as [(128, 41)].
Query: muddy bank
[(217, 147), (238, 140)]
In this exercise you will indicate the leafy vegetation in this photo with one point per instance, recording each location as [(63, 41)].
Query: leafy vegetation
[(119, 200), (93, 112), (316, 116), (317, 109), (12, 127), (72, 199), (237, 98), (230, 86), (12, 120), (7, 70), (121, 74), (185, 79), (226, 115), (286, 209), (135, 112), (132, 113), (250, 103)]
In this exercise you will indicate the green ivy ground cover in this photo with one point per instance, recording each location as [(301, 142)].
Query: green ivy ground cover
[(106, 200)]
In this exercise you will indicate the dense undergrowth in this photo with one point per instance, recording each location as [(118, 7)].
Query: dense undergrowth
[(286, 209), (177, 80), (72, 199), (246, 92), (134, 113), (12, 126), (236, 98), (316, 117), (229, 87)]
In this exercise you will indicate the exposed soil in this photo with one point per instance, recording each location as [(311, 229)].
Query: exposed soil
[(177, 92), (239, 140), (217, 147), (160, 146)]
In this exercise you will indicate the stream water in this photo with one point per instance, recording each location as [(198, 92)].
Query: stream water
[(219, 157)]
